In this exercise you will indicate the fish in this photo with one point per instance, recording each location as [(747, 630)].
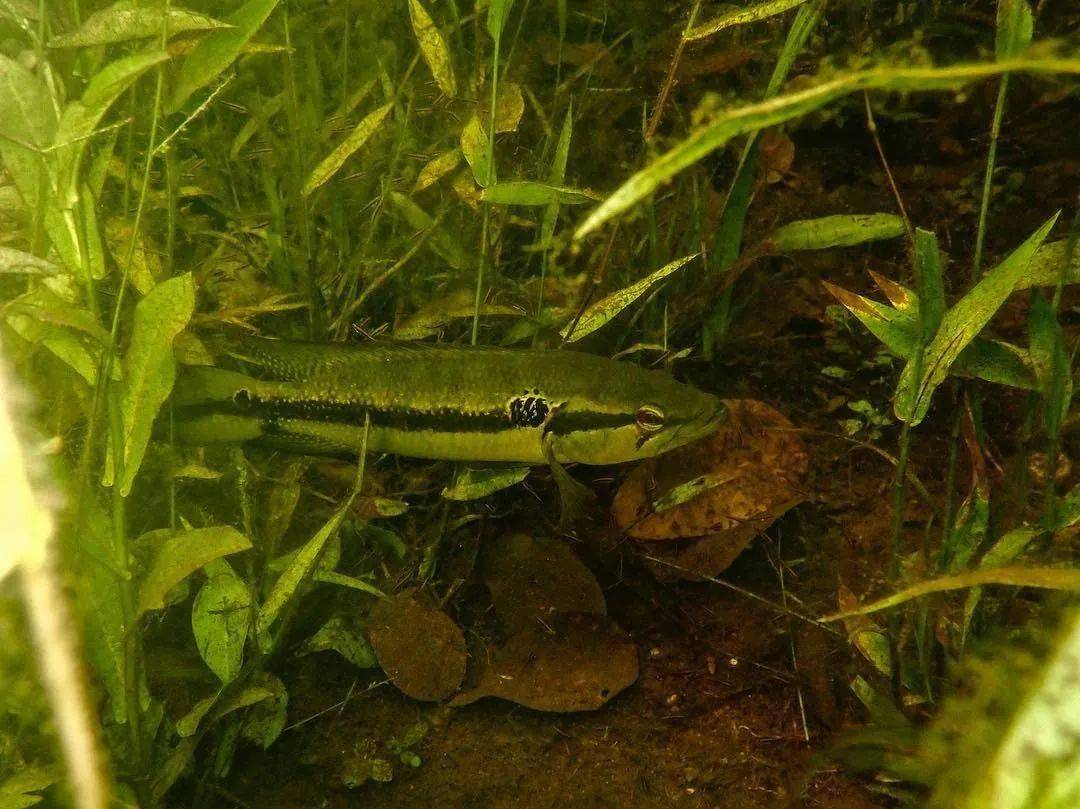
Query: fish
[(441, 402)]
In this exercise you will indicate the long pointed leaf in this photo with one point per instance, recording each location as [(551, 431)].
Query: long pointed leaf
[(959, 327), (783, 108)]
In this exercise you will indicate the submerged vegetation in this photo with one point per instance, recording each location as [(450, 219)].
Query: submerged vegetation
[(695, 188)]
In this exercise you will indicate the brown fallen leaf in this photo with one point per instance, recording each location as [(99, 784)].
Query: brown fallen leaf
[(577, 663), (420, 648), (533, 579), (698, 559), (720, 491)]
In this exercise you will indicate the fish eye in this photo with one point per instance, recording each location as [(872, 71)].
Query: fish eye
[(649, 419)]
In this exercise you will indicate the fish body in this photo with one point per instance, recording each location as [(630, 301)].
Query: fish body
[(441, 402)]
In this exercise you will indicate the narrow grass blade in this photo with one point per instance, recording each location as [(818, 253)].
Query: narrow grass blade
[(740, 16), (1051, 362), (602, 311), (931, 288), (347, 148), (526, 192), (1048, 578), (773, 111), (498, 11)]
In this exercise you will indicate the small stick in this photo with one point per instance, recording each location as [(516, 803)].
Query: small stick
[(871, 127), (669, 81)]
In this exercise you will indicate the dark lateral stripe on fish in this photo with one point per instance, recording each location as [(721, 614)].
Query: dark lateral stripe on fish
[(562, 423)]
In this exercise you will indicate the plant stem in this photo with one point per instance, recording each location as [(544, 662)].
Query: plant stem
[(894, 558), (988, 178)]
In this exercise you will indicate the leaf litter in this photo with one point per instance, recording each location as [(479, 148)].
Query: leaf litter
[(711, 498)]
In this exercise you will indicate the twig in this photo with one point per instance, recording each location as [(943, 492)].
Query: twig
[(669, 81), (871, 126)]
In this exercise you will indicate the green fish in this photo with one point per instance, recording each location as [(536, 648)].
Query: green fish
[(446, 402)]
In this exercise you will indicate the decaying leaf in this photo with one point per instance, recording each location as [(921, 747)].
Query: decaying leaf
[(433, 47), (509, 107), (719, 492), (749, 472), (576, 663), (437, 168), (531, 580), (344, 150), (420, 648)]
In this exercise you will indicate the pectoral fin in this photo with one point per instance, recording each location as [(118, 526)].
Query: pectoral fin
[(574, 497)]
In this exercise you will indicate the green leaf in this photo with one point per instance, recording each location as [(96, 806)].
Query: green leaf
[(1033, 760), (1049, 578), (181, 554), (16, 262), (602, 311), (220, 620), (125, 21), (959, 327), (473, 484), (17, 791), (353, 583), (218, 50), (149, 368), (931, 289), (991, 360), (145, 268), (557, 175), (439, 239), (773, 111), (330, 164), (1047, 267), (27, 125), (498, 11), (1050, 359), (433, 47), (474, 145), (265, 723), (526, 192), (740, 16), (299, 570), (340, 636), (1015, 27), (842, 230), (215, 708)]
